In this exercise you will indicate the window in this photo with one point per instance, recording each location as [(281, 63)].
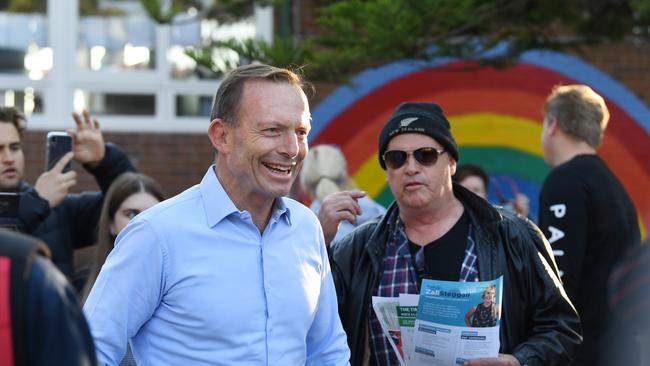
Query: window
[(61, 56), (24, 42)]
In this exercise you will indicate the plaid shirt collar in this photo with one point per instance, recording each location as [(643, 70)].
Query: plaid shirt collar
[(399, 276)]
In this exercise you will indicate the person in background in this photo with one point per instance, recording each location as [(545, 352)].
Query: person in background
[(130, 194), (457, 236), (230, 271), (584, 211), (62, 220), (41, 322), (325, 172), (475, 179)]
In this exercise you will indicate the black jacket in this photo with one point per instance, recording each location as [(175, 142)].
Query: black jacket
[(47, 325), (72, 223), (539, 325)]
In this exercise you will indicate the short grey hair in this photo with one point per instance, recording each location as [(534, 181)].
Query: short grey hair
[(228, 97), (579, 111)]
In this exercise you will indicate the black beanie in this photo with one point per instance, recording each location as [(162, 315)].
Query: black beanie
[(420, 117)]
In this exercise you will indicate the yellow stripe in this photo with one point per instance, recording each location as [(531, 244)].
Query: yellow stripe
[(491, 129), (644, 234), (371, 177)]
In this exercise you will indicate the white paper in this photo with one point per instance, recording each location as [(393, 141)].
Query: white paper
[(406, 313), (386, 310), (455, 322)]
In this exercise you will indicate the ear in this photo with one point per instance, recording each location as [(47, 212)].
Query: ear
[(219, 135), (452, 165), (553, 127)]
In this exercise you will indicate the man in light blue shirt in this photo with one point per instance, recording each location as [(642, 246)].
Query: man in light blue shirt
[(229, 271)]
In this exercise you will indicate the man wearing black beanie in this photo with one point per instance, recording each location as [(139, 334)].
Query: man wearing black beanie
[(439, 230)]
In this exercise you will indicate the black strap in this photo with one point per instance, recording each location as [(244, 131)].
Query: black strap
[(21, 250)]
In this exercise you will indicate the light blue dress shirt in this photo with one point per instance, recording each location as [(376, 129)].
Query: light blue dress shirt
[(192, 281)]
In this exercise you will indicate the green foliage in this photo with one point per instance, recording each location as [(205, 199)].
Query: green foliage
[(366, 33), (86, 7), (90, 7), (156, 11), (204, 58), (281, 53), (641, 9), (229, 11), (26, 6)]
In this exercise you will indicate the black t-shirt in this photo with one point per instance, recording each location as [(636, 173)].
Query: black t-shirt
[(589, 221), (444, 256)]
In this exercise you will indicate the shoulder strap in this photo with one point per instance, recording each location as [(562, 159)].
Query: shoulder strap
[(17, 252)]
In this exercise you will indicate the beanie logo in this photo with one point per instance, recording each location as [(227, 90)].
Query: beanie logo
[(407, 121)]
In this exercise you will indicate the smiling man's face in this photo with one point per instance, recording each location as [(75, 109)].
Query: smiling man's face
[(268, 142)]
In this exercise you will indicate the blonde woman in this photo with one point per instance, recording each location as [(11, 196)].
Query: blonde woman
[(484, 314)]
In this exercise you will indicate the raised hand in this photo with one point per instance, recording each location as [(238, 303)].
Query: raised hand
[(53, 185), (337, 207), (88, 140)]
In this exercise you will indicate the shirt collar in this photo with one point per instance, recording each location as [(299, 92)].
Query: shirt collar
[(218, 205), (280, 209)]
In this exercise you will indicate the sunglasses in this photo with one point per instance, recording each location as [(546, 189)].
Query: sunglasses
[(426, 156)]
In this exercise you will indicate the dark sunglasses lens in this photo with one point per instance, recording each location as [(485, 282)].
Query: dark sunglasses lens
[(395, 158), (426, 156)]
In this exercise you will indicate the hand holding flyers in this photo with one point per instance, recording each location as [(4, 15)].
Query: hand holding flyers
[(455, 322)]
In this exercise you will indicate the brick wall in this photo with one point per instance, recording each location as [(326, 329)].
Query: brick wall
[(628, 63), (176, 161)]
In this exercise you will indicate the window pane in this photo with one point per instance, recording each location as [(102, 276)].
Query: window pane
[(28, 100), (193, 105), (23, 39), (120, 35), (115, 103), (115, 35)]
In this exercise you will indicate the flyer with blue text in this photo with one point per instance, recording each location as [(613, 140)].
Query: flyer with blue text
[(457, 321)]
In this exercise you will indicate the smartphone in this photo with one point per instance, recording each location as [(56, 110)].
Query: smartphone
[(9, 204), (58, 144)]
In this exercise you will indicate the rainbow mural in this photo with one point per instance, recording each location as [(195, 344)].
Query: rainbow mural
[(496, 117)]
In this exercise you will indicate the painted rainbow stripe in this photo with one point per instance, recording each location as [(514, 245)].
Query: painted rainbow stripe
[(495, 116)]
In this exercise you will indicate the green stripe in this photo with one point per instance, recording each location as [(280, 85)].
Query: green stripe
[(385, 198), (505, 160)]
